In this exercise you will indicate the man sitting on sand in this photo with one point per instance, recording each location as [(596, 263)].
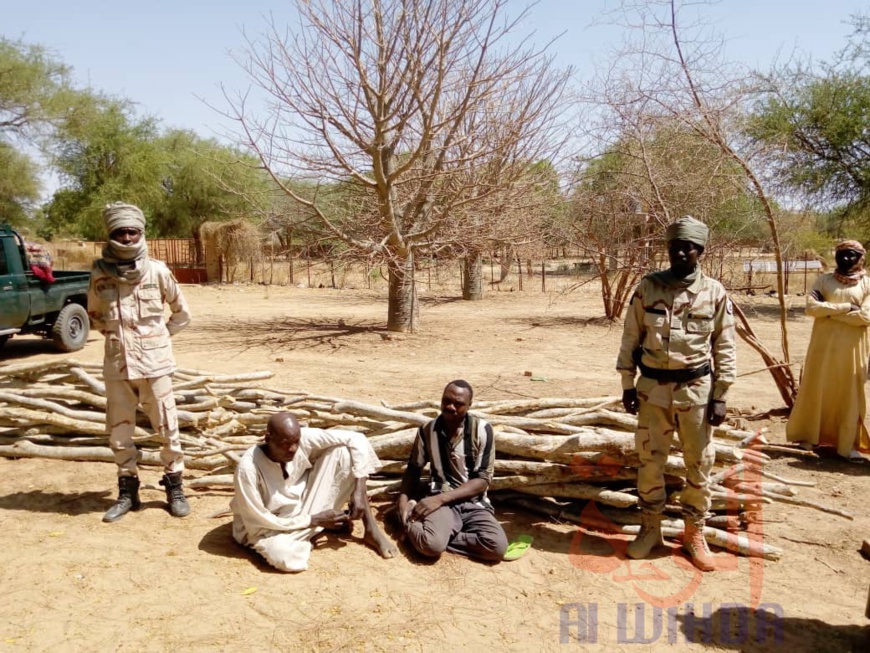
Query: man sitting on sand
[(454, 515), (296, 484)]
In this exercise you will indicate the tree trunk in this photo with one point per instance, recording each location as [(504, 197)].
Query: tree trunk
[(403, 312), (472, 278)]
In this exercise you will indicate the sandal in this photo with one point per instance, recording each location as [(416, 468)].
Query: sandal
[(518, 548), (855, 457)]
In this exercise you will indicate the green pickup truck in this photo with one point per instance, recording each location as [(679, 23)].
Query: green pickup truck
[(30, 305)]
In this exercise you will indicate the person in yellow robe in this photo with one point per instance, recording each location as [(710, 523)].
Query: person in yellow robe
[(830, 406)]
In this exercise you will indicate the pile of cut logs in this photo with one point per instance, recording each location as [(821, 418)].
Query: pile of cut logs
[(554, 456)]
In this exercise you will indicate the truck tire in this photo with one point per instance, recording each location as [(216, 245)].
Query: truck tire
[(70, 330)]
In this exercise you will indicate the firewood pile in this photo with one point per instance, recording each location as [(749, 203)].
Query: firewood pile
[(554, 455)]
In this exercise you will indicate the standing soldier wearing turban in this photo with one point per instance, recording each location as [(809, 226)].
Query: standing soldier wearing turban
[(126, 300), (830, 406), (679, 333)]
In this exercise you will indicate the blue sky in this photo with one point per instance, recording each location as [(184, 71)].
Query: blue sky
[(166, 55)]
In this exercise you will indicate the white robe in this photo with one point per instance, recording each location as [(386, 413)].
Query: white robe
[(272, 514)]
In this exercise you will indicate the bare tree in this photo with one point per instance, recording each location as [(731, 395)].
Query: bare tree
[(409, 101), (511, 218), (673, 69)]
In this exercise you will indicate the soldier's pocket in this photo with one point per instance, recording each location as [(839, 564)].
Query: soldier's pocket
[(699, 323), (699, 329), (150, 303), (155, 342)]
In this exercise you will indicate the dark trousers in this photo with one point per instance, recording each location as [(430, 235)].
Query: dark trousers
[(466, 528)]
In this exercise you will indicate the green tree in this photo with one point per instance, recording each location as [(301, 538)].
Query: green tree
[(202, 180), (816, 125), (19, 186), (35, 95), (103, 153), (819, 126), (34, 88)]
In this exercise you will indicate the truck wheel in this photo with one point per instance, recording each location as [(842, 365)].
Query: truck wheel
[(70, 329), (4, 340)]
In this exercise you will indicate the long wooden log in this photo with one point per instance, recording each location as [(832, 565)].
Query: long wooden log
[(558, 413), (505, 407), (605, 417), (531, 425), (211, 481), (379, 413), (394, 446), (31, 369), (808, 504), (214, 379), (96, 386), (43, 417), (51, 406), (581, 491), (62, 393), (759, 487), (786, 481), (347, 419), (25, 449)]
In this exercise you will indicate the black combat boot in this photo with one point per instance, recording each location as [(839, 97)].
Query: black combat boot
[(178, 506), (128, 498)]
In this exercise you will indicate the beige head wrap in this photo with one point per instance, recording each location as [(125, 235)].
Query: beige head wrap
[(119, 215), (854, 245), (854, 274), (688, 228)]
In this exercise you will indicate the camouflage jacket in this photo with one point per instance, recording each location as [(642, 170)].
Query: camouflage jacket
[(131, 317), (670, 328)]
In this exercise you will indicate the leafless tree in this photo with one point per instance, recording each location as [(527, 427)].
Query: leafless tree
[(512, 218), (409, 102)]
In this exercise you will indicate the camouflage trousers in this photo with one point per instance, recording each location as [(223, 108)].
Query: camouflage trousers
[(653, 439), (158, 402)]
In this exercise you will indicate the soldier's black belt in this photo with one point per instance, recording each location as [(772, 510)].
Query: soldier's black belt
[(674, 376)]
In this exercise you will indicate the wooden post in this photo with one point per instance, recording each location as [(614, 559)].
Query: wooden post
[(290, 258), (543, 277), (805, 273), (491, 272), (308, 265), (520, 273)]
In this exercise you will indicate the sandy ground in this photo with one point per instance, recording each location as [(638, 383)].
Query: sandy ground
[(154, 583)]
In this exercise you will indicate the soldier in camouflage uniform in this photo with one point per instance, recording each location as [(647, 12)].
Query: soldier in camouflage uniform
[(126, 299), (679, 333)]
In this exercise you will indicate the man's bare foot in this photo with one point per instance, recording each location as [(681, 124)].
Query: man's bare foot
[(379, 542)]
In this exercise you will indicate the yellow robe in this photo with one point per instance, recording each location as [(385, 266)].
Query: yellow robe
[(830, 406)]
